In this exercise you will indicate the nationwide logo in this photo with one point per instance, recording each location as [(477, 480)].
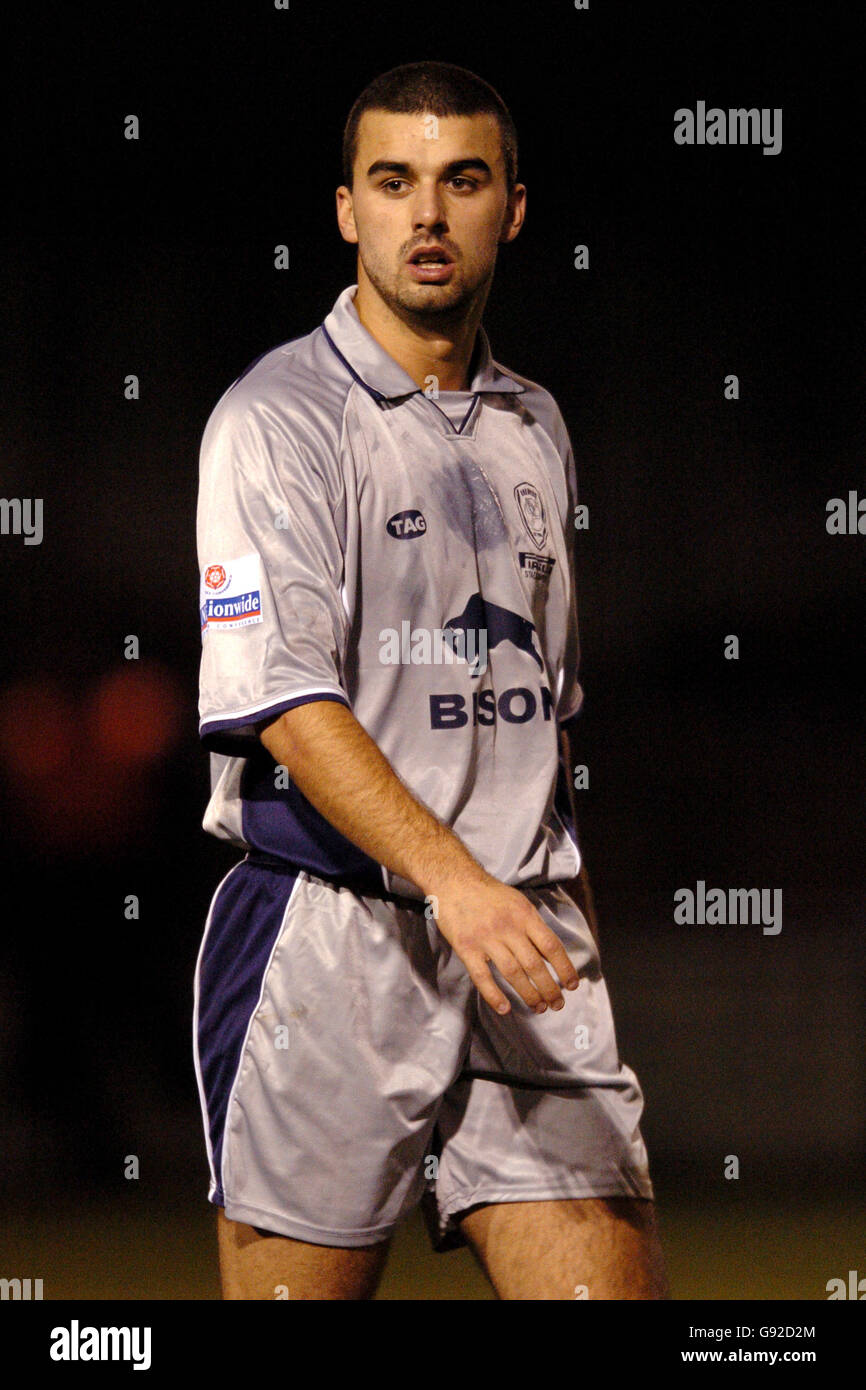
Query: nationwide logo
[(244, 608), (536, 566), (404, 526), (230, 595), (532, 512)]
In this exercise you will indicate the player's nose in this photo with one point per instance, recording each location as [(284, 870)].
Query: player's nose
[(428, 211)]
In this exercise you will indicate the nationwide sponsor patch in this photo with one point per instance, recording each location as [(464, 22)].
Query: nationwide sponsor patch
[(231, 594), (536, 566)]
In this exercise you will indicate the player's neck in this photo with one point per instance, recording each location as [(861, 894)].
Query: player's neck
[(444, 355)]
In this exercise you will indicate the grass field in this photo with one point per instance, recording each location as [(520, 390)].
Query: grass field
[(759, 1251)]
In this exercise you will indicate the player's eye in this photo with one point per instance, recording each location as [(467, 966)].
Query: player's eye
[(390, 183), (461, 179)]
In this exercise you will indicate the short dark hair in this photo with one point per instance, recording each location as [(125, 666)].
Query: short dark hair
[(443, 89)]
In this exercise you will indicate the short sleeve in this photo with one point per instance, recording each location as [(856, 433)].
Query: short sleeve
[(271, 514)]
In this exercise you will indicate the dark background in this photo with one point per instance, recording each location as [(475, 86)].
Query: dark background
[(707, 517)]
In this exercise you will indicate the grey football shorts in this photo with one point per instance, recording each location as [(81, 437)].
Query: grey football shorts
[(348, 1069)]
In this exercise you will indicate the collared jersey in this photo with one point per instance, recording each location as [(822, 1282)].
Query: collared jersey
[(361, 540)]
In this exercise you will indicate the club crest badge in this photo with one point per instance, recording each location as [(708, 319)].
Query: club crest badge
[(532, 512)]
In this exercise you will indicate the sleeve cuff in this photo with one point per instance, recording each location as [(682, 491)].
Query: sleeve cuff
[(234, 734)]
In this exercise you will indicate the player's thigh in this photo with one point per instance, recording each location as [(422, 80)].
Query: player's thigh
[(585, 1247), (259, 1266)]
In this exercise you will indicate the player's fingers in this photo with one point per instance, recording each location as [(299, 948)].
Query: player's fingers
[(481, 977), (504, 958), (553, 950), (537, 971)]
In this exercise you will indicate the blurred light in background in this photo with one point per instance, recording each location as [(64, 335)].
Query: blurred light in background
[(81, 766)]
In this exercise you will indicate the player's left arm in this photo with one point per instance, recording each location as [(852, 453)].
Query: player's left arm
[(578, 888)]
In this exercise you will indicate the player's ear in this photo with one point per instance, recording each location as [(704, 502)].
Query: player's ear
[(346, 214), (515, 212)]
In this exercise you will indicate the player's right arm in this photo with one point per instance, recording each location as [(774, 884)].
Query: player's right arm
[(344, 774)]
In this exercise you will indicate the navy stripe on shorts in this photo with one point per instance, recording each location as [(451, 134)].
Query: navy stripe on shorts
[(246, 917)]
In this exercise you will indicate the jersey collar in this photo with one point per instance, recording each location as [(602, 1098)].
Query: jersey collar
[(374, 368)]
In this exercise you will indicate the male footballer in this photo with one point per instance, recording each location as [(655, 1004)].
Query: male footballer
[(398, 996)]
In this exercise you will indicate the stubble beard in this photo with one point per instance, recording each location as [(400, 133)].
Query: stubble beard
[(426, 306)]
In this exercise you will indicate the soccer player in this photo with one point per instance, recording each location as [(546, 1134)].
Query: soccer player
[(398, 996)]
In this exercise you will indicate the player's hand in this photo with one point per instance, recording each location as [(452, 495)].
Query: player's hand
[(487, 922)]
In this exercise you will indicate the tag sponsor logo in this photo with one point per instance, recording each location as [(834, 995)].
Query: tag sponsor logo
[(404, 526)]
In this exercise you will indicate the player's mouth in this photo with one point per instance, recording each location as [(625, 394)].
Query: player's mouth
[(431, 265)]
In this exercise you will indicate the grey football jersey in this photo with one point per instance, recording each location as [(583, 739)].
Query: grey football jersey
[(359, 543)]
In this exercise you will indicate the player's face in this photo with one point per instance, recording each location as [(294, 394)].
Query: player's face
[(422, 181)]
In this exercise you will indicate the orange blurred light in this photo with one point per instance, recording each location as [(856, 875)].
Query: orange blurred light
[(38, 728), (135, 714)]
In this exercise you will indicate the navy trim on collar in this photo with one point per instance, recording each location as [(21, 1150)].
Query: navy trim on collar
[(374, 369), (377, 395)]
